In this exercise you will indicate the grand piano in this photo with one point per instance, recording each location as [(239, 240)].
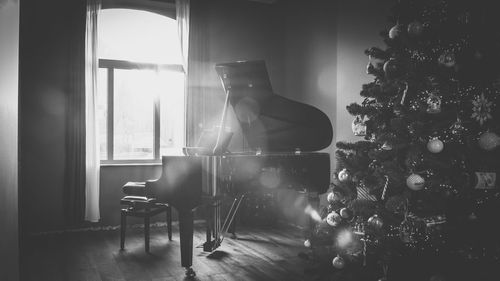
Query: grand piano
[(283, 136)]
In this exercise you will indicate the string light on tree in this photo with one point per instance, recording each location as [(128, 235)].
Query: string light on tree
[(307, 243)]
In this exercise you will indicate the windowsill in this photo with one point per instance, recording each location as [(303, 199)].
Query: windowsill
[(130, 163)]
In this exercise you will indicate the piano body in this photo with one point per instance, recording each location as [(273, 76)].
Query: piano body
[(283, 135)]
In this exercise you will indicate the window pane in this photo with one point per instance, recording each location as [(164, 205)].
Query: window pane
[(102, 109), (134, 95), (172, 112), (138, 36)]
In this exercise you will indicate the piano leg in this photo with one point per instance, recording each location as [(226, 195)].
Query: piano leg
[(186, 237)]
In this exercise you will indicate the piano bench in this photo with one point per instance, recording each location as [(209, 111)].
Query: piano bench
[(143, 207)]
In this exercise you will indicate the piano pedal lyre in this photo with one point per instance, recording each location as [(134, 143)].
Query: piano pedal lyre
[(219, 231)]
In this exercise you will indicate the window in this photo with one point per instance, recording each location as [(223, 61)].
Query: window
[(140, 86)]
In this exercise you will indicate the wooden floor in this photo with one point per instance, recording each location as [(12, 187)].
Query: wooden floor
[(257, 254)]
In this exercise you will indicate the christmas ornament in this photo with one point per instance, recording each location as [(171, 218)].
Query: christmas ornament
[(447, 59), (392, 68), (370, 69), (433, 103), (481, 109), (375, 222), (457, 128), (435, 145), (415, 182), (338, 262), (345, 213), (485, 180), (333, 219), (488, 141), (359, 126), (344, 175), (395, 31), (307, 243), (415, 28), (386, 146), (333, 197), (377, 63)]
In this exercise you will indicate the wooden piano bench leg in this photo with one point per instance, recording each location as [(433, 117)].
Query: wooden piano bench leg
[(169, 222), (146, 233), (123, 226)]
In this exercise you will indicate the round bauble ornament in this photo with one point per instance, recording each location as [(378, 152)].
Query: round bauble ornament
[(375, 222), (415, 182), (415, 28), (395, 31), (307, 243), (344, 175), (333, 197), (392, 68), (345, 213), (488, 141), (333, 219), (435, 145), (338, 262), (447, 59)]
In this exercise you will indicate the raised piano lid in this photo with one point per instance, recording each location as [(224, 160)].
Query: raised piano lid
[(270, 122)]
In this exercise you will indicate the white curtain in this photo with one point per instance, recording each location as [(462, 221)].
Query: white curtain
[(92, 161), (182, 11), (182, 15)]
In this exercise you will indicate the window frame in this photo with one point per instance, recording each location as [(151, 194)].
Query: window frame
[(110, 66)]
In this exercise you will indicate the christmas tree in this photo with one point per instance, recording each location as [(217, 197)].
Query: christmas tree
[(421, 185)]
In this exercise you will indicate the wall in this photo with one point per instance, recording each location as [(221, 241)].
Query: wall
[(358, 27), (310, 47), (43, 85), (9, 54)]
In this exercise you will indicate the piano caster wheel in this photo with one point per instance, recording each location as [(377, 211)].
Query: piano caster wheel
[(190, 272)]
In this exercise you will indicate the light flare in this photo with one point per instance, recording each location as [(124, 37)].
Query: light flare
[(344, 238), (313, 213)]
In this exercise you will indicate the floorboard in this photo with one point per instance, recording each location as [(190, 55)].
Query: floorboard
[(258, 253)]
